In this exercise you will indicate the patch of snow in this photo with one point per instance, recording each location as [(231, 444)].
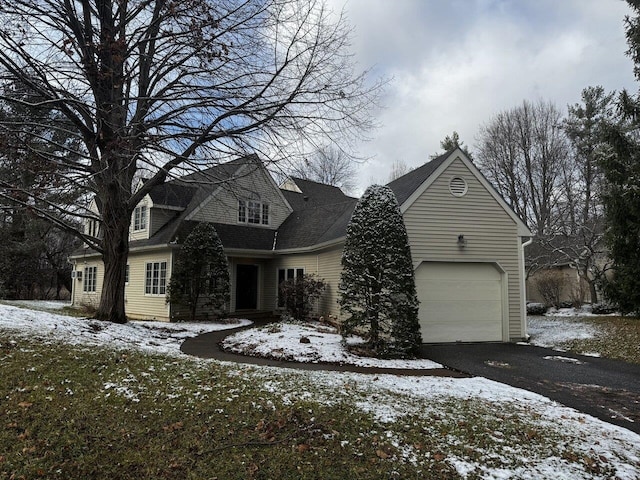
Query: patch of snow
[(39, 304), (152, 337), (282, 341), (389, 398), (392, 399), (551, 332), (584, 311), (559, 358)]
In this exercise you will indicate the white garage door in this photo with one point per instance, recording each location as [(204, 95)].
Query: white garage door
[(459, 302)]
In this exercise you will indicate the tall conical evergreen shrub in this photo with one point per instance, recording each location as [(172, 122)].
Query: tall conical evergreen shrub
[(200, 277), (377, 285)]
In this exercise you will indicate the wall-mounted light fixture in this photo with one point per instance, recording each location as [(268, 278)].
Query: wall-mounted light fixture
[(462, 242)]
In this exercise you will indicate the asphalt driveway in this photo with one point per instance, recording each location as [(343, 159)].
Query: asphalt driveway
[(606, 389)]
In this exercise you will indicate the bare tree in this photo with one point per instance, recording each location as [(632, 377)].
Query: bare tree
[(523, 151), (160, 85), (328, 165), (398, 169)]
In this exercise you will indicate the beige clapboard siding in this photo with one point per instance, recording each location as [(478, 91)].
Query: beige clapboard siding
[(159, 218), (307, 261), (330, 268), (436, 218), (222, 207), (137, 304), (81, 298)]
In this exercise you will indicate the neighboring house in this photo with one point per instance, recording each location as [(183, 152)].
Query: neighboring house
[(466, 244), (560, 263)]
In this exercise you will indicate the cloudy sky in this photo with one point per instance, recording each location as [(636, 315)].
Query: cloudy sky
[(454, 64)]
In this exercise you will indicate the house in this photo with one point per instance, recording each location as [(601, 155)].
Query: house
[(466, 244), (562, 270)]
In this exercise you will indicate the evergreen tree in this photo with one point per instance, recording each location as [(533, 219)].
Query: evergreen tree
[(377, 285), (621, 193), (200, 278), (621, 199), (451, 142)]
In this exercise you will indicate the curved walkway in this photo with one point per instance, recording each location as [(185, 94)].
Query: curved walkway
[(207, 345)]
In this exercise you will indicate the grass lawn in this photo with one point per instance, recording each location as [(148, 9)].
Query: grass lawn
[(619, 338), (611, 337), (77, 412), (80, 400)]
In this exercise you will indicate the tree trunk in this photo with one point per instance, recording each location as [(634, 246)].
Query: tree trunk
[(116, 219)]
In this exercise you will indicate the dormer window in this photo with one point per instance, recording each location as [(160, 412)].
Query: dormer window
[(254, 212), (92, 228), (140, 218)]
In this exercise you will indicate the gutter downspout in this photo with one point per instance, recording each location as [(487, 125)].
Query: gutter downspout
[(523, 289)]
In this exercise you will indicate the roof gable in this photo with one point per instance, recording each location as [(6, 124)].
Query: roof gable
[(238, 170), (403, 187), (411, 186)]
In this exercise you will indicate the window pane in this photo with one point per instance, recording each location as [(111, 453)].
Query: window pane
[(163, 277), (265, 214), (299, 272), (147, 280), (242, 211), (254, 212), (143, 217)]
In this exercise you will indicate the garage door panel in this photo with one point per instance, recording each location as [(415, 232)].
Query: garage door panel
[(453, 290), (459, 302)]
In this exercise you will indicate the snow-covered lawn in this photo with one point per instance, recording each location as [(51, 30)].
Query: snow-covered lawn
[(554, 331), (152, 337), (395, 401), (323, 344)]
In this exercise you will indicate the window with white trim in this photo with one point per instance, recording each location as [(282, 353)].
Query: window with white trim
[(140, 218), (155, 282), (254, 212), (89, 281), (93, 228), (285, 274)]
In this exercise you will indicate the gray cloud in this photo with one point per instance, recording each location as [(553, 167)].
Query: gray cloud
[(455, 64)]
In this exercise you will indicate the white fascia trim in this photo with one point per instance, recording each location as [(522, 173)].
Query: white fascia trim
[(131, 250), (312, 248), (289, 251), (168, 207), (73, 258), (242, 252), (523, 230)]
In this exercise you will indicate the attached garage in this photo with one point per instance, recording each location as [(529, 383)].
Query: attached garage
[(461, 301)]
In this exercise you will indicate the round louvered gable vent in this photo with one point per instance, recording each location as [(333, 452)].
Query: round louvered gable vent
[(458, 186)]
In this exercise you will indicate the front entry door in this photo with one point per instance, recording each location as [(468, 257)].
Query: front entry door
[(246, 287)]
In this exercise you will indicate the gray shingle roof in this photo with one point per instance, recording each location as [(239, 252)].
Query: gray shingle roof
[(172, 194), (405, 185), (182, 191), (320, 214), (251, 238)]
